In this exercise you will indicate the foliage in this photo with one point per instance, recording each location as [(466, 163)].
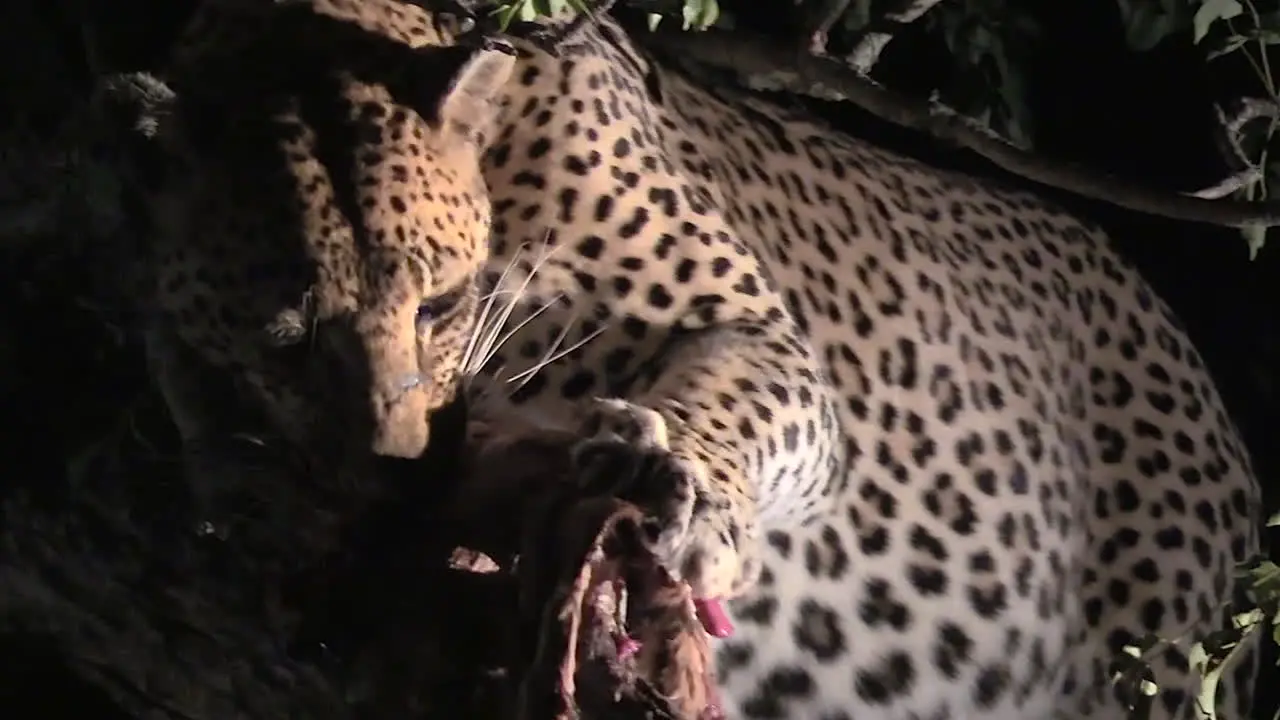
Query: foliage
[(1216, 653), (1213, 656), (986, 39), (1225, 28), (529, 10), (694, 14), (989, 39)]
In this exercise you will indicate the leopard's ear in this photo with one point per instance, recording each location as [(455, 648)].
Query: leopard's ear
[(468, 105)]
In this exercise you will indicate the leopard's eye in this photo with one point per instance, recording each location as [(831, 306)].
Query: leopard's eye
[(440, 306)]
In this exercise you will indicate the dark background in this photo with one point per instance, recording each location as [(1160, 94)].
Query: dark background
[(1145, 116)]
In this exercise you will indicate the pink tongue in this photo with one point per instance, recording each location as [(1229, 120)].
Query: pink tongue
[(713, 617)]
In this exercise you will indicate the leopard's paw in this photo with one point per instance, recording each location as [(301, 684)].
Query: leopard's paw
[(692, 526)]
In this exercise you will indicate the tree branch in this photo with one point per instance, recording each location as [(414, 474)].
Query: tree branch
[(762, 64), (1231, 140)]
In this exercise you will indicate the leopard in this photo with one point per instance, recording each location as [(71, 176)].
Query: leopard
[(922, 443)]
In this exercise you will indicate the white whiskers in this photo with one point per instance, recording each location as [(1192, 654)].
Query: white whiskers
[(551, 355), (494, 327), (487, 337)]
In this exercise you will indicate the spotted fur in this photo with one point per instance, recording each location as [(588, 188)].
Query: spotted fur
[(946, 451)]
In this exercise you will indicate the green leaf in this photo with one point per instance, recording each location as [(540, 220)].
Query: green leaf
[(1232, 44), (507, 13), (653, 20), (1255, 236), (700, 14), (1266, 577), (689, 11), (711, 15), (1206, 707), (1212, 11), (531, 10), (1212, 657)]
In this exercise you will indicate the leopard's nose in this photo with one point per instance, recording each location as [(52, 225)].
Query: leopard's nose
[(400, 427)]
